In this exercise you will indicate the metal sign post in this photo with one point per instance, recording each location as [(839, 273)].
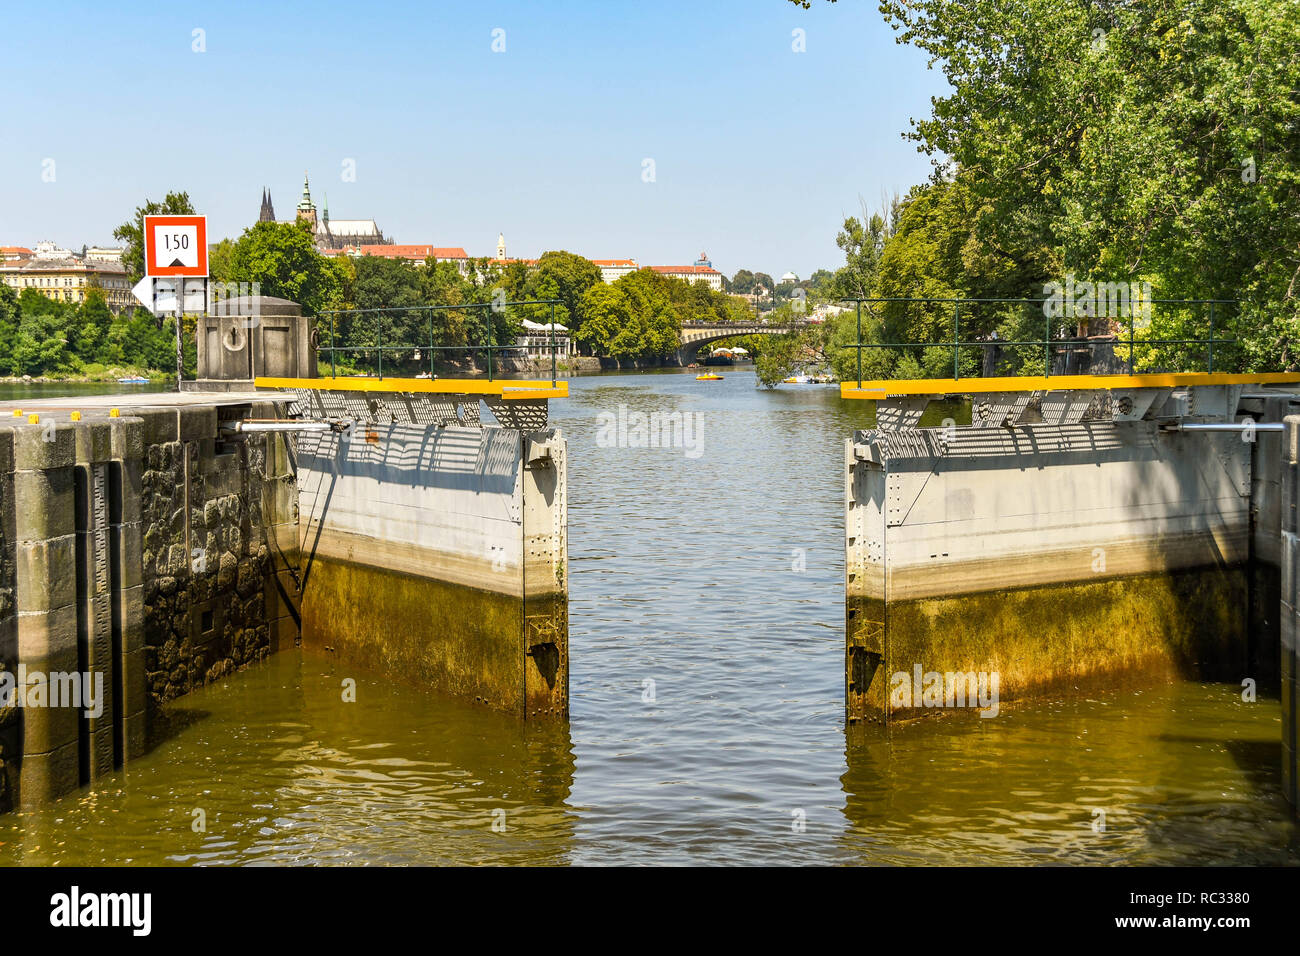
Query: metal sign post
[(175, 247)]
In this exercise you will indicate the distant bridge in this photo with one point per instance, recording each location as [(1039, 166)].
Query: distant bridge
[(695, 335)]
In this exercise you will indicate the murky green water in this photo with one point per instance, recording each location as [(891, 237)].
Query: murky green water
[(682, 573), (12, 390)]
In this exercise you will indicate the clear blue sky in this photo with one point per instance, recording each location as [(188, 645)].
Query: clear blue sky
[(759, 152)]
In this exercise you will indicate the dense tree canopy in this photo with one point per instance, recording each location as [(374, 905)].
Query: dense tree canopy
[(40, 336), (1106, 141), (282, 259)]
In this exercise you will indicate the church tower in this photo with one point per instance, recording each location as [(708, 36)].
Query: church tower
[(268, 211), (501, 245), (307, 208)]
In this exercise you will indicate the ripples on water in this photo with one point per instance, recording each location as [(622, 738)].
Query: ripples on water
[(682, 573)]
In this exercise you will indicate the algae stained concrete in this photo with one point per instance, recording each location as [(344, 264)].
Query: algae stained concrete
[(1049, 555), (436, 554)]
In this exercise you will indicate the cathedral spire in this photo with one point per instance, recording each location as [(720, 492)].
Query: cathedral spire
[(267, 213), (306, 208)]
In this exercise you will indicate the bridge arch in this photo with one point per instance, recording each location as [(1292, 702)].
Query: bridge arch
[(696, 336)]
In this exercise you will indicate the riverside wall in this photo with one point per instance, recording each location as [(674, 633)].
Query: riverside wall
[(1053, 556), (1289, 474), (437, 554), (138, 561)]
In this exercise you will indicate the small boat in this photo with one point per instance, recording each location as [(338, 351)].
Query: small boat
[(806, 380), (133, 381), (708, 377)]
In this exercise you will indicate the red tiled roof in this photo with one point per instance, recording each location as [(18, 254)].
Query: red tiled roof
[(415, 252), (613, 262), (15, 250)]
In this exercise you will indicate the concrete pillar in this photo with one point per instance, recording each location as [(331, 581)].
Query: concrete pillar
[(44, 503), (1290, 613)]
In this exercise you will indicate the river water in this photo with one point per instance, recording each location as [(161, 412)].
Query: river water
[(707, 726)]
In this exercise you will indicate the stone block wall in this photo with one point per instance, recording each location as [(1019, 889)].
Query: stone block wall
[(140, 553), (210, 589)]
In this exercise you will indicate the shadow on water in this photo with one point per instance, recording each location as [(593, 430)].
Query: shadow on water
[(273, 765), (172, 721)]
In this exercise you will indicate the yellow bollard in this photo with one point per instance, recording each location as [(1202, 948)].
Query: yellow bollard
[(18, 413), (33, 419), (114, 413), (76, 416)]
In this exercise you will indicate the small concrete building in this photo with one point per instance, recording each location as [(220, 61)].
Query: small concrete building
[(245, 337)]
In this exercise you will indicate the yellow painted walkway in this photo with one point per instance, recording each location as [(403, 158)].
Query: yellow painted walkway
[(508, 389), (1056, 383)]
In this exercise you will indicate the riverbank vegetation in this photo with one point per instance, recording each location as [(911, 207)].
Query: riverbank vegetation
[(363, 301), (42, 338), (1155, 144)]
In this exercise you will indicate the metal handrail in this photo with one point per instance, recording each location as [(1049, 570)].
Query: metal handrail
[(957, 344), (380, 348)]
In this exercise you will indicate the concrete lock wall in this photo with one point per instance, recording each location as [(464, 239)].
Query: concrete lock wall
[(135, 565), (437, 554), (1049, 555), (1289, 479)]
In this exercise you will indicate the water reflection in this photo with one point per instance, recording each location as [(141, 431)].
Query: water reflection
[(284, 771), (1176, 774)]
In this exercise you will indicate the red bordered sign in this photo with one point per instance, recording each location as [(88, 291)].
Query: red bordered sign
[(175, 246)]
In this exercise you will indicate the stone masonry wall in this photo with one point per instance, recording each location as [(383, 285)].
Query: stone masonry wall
[(145, 551), (207, 564)]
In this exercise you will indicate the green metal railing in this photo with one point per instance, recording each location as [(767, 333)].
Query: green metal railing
[(1047, 342), (486, 345)]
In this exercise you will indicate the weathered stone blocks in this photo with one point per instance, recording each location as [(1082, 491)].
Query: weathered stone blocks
[(129, 547)]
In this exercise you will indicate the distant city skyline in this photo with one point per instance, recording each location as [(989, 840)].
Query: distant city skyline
[(613, 132)]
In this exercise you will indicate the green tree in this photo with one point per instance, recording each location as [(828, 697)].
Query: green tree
[(1155, 140), (742, 282), (131, 232), (863, 242), (606, 311), (282, 259), (220, 266), (564, 276), (89, 327)]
